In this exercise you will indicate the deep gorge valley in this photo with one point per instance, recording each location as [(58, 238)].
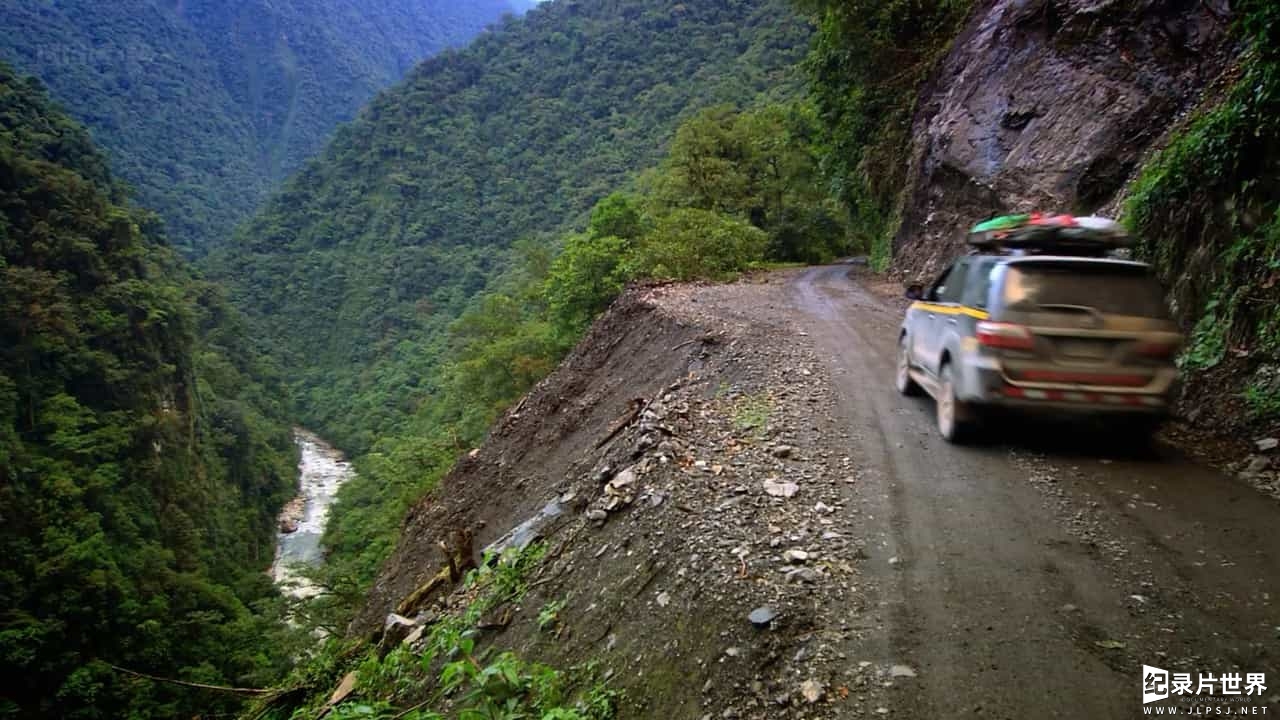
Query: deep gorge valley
[(641, 262)]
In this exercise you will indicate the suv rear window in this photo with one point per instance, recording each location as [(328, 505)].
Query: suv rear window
[(1109, 289)]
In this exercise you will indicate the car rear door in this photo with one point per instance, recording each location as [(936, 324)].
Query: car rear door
[(944, 315), (1097, 324)]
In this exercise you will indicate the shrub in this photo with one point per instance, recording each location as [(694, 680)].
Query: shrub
[(588, 274), (691, 243)]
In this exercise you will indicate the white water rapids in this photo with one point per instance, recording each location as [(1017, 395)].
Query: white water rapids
[(322, 470)]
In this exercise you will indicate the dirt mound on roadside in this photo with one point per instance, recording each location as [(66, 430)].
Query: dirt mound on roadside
[(542, 441), (674, 466)]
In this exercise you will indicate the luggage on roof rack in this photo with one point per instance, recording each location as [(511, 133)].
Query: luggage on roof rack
[(1037, 233)]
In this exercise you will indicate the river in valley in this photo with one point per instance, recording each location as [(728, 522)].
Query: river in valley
[(322, 470)]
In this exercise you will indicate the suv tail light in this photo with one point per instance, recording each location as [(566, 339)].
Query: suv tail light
[(1006, 336), (1156, 350)]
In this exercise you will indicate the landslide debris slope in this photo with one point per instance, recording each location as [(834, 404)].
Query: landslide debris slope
[(691, 453), (1048, 104)]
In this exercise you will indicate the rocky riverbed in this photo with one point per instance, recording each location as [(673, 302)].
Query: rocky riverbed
[(322, 470)]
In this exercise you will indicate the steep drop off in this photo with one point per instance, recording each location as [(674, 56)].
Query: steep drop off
[(143, 449), (740, 517), (643, 465), (204, 105), (359, 265)]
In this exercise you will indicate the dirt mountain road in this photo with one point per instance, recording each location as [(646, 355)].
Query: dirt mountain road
[(754, 525), (1035, 578)]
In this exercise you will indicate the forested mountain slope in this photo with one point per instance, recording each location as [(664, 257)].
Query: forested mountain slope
[(204, 104), (143, 452), (358, 266)]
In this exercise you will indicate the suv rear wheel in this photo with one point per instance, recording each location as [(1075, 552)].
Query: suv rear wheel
[(955, 418)]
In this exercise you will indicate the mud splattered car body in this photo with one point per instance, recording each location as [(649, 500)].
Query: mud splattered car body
[(1039, 333)]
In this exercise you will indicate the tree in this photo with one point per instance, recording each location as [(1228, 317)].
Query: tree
[(865, 67), (760, 166), (690, 243), (617, 215), (206, 107), (587, 275), (355, 270), (137, 492)]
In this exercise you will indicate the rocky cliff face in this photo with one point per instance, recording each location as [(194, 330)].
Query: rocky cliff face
[(1049, 104)]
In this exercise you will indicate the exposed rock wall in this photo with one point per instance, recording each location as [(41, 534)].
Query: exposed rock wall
[(1049, 104)]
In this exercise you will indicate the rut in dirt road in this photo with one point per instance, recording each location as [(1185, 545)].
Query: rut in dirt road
[(1035, 581)]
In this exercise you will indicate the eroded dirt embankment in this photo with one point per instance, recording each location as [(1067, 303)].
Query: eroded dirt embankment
[(724, 494)]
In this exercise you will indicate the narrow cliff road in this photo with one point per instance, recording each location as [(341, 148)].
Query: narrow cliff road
[(1035, 578), (745, 521)]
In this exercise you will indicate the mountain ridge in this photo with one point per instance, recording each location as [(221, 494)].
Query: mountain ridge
[(204, 107), (362, 260), (144, 448)]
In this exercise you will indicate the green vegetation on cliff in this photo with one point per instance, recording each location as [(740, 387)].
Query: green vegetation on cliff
[(865, 70), (735, 190), (1208, 210), (143, 452), (203, 105), (452, 668)]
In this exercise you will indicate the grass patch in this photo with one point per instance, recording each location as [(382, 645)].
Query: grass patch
[(549, 615), (751, 414), (1262, 395), (1263, 403), (449, 673)]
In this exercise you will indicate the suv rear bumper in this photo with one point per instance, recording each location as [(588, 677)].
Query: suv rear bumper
[(984, 383), (1073, 407)]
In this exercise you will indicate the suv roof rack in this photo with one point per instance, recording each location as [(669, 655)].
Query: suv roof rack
[(1041, 234)]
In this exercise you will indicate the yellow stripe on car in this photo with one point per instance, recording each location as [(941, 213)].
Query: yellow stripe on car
[(951, 310)]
